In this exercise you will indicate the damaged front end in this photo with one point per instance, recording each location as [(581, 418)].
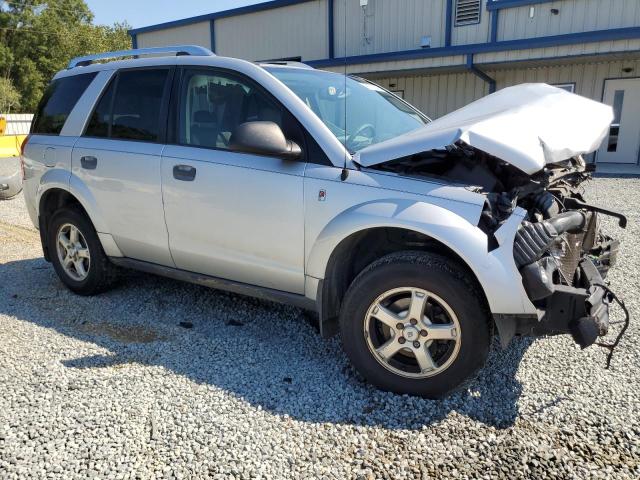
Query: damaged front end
[(559, 249)]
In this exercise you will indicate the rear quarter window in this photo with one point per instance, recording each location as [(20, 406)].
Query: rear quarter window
[(57, 102)]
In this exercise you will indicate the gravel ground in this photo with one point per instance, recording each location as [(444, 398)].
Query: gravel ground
[(114, 387)]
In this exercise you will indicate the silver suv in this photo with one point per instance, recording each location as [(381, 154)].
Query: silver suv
[(411, 238)]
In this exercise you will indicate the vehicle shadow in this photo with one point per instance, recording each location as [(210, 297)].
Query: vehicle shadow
[(266, 354)]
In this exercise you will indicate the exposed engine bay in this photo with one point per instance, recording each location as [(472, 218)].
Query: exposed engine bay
[(559, 249)]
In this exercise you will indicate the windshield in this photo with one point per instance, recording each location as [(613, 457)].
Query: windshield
[(359, 113)]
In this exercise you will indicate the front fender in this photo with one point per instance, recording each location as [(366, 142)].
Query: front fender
[(496, 270)]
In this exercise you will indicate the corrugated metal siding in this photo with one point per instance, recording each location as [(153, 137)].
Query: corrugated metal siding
[(401, 65), (391, 25), (574, 16), (478, 33), (610, 47), (194, 34), (296, 30), (17, 123), (588, 77), (437, 95)]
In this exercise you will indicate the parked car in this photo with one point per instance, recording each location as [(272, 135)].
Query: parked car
[(10, 174), (412, 238)]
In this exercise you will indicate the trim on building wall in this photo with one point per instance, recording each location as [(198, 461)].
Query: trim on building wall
[(448, 23), (331, 28), (587, 57), (505, 45), (480, 74), (502, 4), (259, 7), (495, 15), (134, 41), (212, 35)]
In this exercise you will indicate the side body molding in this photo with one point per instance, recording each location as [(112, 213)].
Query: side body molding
[(495, 270)]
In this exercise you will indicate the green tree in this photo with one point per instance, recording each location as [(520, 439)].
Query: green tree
[(9, 96), (37, 39)]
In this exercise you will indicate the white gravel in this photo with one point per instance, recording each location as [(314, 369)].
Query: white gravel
[(113, 387)]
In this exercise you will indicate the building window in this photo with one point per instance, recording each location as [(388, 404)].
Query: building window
[(569, 87), (467, 12)]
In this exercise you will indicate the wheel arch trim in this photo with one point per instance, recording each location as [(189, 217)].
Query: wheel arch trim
[(56, 182), (495, 270)]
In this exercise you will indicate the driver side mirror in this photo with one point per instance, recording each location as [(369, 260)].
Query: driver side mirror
[(263, 138)]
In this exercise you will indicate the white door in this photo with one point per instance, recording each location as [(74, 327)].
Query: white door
[(622, 145)]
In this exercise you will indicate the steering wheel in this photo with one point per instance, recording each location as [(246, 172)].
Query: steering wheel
[(351, 139)]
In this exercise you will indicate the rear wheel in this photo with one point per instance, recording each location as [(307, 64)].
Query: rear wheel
[(76, 253), (414, 323)]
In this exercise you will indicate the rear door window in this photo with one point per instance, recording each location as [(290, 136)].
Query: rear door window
[(57, 102), (131, 108)]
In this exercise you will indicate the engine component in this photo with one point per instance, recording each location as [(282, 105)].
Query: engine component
[(533, 239), (537, 278), (545, 203)]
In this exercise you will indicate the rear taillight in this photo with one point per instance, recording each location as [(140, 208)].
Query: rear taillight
[(22, 147)]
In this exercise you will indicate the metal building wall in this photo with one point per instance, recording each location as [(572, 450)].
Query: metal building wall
[(588, 77), (391, 25), (192, 34), (291, 31), (437, 95), (594, 48), (574, 16)]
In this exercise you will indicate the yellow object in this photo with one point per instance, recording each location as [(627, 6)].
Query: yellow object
[(3, 125), (10, 145)]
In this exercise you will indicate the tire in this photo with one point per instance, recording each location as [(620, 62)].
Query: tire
[(99, 272), (454, 317)]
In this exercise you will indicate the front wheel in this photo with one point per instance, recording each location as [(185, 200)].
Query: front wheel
[(414, 322)]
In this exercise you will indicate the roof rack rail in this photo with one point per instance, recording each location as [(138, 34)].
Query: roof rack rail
[(177, 50), (288, 63)]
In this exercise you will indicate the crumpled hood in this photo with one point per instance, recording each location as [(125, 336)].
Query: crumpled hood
[(528, 126)]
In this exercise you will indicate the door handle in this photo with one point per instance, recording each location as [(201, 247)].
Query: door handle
[(186, 173), (89, 162)]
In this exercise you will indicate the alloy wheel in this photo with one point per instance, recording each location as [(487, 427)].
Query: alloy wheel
[(73, 252), (412, 332)]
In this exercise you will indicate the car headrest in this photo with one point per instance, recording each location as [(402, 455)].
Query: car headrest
[(204, 116)]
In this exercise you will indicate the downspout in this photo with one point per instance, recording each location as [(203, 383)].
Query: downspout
[(480, 74)]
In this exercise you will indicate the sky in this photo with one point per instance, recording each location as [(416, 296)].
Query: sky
[(140, 13)]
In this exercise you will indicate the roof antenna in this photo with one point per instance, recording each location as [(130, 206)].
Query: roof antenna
[(345, 171)]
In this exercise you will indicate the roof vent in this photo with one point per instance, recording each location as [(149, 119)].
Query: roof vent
[(467, 12)]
